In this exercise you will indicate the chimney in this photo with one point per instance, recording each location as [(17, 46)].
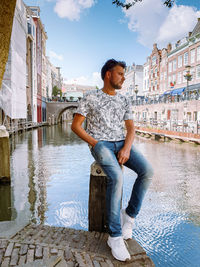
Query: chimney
[(169, 47), (154, 46)]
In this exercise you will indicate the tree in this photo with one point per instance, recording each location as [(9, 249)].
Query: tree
[(55, 91), (168, 3)]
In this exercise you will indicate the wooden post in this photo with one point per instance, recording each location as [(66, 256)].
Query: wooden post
[(97, 199), (5, 202), (4, 154)]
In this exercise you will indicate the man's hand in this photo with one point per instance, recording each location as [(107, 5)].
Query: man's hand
[(123, 155)]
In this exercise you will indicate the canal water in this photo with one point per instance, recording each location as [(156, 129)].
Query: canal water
[(50, 170)]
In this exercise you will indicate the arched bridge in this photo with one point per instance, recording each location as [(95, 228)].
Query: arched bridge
[(56, 109)]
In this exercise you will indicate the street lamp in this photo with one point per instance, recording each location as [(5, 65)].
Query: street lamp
[(188, 77), (136, 90)]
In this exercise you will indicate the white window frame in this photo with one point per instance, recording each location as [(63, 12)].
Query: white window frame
[(185, 58), (180, 61), (198, 53), (174, 64), (192, 56), (179, 79), (170, 67), (198, 72)]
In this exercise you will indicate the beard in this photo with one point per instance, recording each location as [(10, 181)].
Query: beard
[(115, 86)]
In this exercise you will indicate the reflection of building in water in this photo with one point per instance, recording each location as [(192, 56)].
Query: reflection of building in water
[(25, 200), (37, 175), (176, 178)]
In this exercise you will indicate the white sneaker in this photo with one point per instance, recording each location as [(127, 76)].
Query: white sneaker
[(118, 248), (127, 224)]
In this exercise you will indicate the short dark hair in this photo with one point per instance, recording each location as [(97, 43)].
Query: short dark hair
[(110, 64)]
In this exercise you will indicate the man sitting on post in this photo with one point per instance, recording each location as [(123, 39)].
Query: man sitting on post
[(107, 112)]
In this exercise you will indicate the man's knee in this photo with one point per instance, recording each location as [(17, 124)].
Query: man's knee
[(147, 173)]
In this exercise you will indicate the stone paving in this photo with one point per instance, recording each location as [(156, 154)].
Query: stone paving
[(41, 245)]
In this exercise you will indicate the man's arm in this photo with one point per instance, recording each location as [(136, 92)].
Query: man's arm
[(78, 129), (124, 153)]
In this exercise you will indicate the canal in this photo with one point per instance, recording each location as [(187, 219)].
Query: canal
[(50, 170)]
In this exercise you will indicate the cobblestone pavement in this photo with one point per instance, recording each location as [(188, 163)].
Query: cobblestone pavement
[(41, 245)]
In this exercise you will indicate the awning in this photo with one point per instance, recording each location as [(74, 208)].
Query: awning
[(166, 93), (178, 91)]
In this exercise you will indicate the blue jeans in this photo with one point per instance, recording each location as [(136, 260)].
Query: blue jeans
[(105, 153)]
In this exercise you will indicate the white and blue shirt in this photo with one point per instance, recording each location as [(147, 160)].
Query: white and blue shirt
[(105, 115)]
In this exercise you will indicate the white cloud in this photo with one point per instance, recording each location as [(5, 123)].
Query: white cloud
[(53, 55), (181, 19), (94, 80), (72, 9), (156, 23)]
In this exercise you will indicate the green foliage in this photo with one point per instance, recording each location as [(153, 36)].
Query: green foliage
[(168, 3), (56, 91)]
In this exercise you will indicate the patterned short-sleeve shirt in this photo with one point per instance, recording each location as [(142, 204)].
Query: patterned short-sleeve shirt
[(105, 115)]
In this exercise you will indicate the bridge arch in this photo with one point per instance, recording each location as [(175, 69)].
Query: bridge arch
[(69, 115), (55, 110)]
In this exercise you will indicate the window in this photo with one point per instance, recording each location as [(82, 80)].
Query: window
[(174, 64), (198, 72), (192, 56), (165, 75), (195, 116), (186, 58), (170, 66), (179, 77), (174, 79), (170, 80), (192, 72), (180, 61), (198, 53), (154, 60)]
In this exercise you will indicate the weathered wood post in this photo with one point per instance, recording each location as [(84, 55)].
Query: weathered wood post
[(5, 202), (97, 199), (4, 154)]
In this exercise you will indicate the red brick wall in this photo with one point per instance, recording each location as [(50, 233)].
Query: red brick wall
[(188, 135)]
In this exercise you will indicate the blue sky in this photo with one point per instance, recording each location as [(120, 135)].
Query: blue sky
[(83, 34)]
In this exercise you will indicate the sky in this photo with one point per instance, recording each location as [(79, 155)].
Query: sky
[(83, 34)]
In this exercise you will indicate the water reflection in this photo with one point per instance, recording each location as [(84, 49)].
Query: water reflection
[(50, 181)]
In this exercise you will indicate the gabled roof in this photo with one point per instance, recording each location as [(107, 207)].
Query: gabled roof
[(196, 29)]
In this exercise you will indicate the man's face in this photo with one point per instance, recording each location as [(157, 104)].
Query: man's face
[(117, 77)]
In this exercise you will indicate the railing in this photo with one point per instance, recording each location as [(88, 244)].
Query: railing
[(166, 99), (17, 126), (170, 125)]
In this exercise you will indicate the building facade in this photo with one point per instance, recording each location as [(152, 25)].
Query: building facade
[(173, 97), (44, 75), (13, 102), (133, 80), (31, 75)]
